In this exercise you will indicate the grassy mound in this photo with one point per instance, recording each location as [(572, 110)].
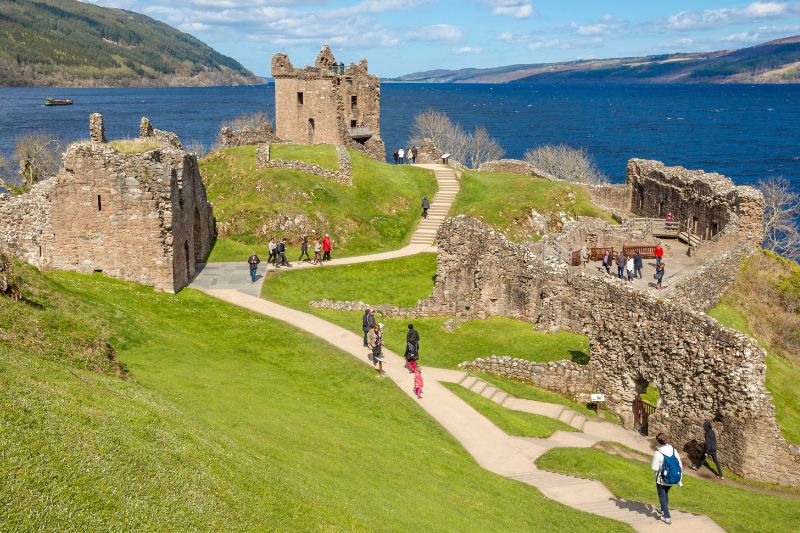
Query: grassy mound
[(733, 508), (402, 282), (507, 200), (763, 303), (379, 212), (231, 421)]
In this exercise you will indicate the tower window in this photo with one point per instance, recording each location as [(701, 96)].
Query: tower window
[(353, 101), (99, 203), (352, 123), (299, 98)]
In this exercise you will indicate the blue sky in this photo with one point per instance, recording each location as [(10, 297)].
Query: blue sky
[(403, 36)]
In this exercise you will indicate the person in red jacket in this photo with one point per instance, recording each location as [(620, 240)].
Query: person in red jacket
[(659, 253), (326, 248)]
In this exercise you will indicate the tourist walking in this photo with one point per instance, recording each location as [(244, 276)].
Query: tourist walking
[(637, 264), (396, 156), (272, 245), (414, 154), (327, 246), (400, 155), (375, 341), (418, 383), (607, 262), (412, 348), (253, 261), (669, 217), (710, 449), (620, 265), (425, 206), (367, 323), (280, 255), (317, 253), (304, 249), (669, 472), (409, 156), (659, 253), (629, 267), (584, 256), (659, 275)]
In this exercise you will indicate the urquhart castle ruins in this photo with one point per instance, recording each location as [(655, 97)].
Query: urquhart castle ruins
[(143, 216)]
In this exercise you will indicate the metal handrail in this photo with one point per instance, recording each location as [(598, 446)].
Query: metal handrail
[(360, 131)]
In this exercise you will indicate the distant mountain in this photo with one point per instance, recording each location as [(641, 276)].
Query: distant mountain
[(69, 43), (773, 62)]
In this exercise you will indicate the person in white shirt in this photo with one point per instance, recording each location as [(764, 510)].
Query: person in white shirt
[(629, 267), (401, 154), (666, 479)]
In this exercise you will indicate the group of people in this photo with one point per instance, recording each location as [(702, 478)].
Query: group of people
[(277, 254), (405, 155), (668, 466), (629, 266), (373, 339)]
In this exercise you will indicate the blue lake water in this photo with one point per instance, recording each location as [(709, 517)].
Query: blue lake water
[(746, 132)]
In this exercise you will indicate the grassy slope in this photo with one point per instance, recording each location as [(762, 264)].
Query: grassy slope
[(226, 426), (735, 509), (514, 423), (503, 200), (402, 282), (379, 212), (756, 305), (323, 155)]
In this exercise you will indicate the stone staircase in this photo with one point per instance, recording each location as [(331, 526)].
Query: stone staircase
[(502, 398), (440, 206)]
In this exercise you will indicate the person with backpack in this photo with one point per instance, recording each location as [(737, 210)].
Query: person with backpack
[(375, 340), (280, 254), (710, 449), (367, 323), (669, 472), (253, 261), (412, 348), (425, 206)]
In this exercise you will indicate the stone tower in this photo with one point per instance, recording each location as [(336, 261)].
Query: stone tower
[(329, 103)]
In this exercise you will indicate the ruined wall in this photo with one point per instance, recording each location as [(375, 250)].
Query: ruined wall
[(709, 203), (246, 137), (704, 289), (510, 166), (147, 131), (25, 223), (702, 369), (428, 153), (613, 198), (320, 104), (343, 175)]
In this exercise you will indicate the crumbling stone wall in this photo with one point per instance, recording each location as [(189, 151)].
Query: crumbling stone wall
[(343, 175), (510, 166), (97, 129), (704, 289), (702, 369), (709, 203), (321, 104), (24, 223), (246, 137), (428, 153), (613, 198), (147, 131)]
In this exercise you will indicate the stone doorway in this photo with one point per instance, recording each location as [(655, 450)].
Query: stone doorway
[(311, 128), (644, 405)]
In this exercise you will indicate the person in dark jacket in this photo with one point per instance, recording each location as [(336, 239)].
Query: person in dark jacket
[(425, 206), (367, 323), (396, 156), (280, 255), (304, 249), (710, 450), (253, 261), (621, 265), (637, 265), (412, 348)]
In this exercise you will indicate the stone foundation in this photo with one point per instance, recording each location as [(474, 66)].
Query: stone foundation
[(246, 137), (343, 175), (703, 370)]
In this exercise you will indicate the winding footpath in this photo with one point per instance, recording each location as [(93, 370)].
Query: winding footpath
[(494, 450)]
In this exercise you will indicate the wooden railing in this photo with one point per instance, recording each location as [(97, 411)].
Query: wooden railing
[(647, 251), (360, 132), (641, 414)]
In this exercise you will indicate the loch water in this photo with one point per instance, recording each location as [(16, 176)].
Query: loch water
[(747, 132)]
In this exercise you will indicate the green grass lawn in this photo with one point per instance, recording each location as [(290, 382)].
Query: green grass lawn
[(782, 375), (323, 155), (503, 200), (230, 421), (402, 282), (733, 508), (515, 423), (379, 212)]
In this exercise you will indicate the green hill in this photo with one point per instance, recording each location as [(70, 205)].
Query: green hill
[(226, 421), (377, 213), (71, 43)]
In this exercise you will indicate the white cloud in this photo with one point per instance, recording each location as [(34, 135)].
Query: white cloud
[(518, 9), (549, 43), (506, 36), (590, 29), (467, 50), (710, 18), (743, 37), (437, 32)]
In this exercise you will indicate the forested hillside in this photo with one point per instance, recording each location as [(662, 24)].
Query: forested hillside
[(69, 43)]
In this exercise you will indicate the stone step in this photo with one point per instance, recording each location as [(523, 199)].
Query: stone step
[(468, 381), (488, 392), (566, 415), (478, 386), (500, 397), (578, 422)]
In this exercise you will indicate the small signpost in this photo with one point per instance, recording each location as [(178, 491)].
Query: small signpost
[(596, 398)]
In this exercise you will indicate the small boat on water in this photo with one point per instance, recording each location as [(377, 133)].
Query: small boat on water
[(57, 101)]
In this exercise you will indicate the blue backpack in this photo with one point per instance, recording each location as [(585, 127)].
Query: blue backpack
[(670, 470)]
